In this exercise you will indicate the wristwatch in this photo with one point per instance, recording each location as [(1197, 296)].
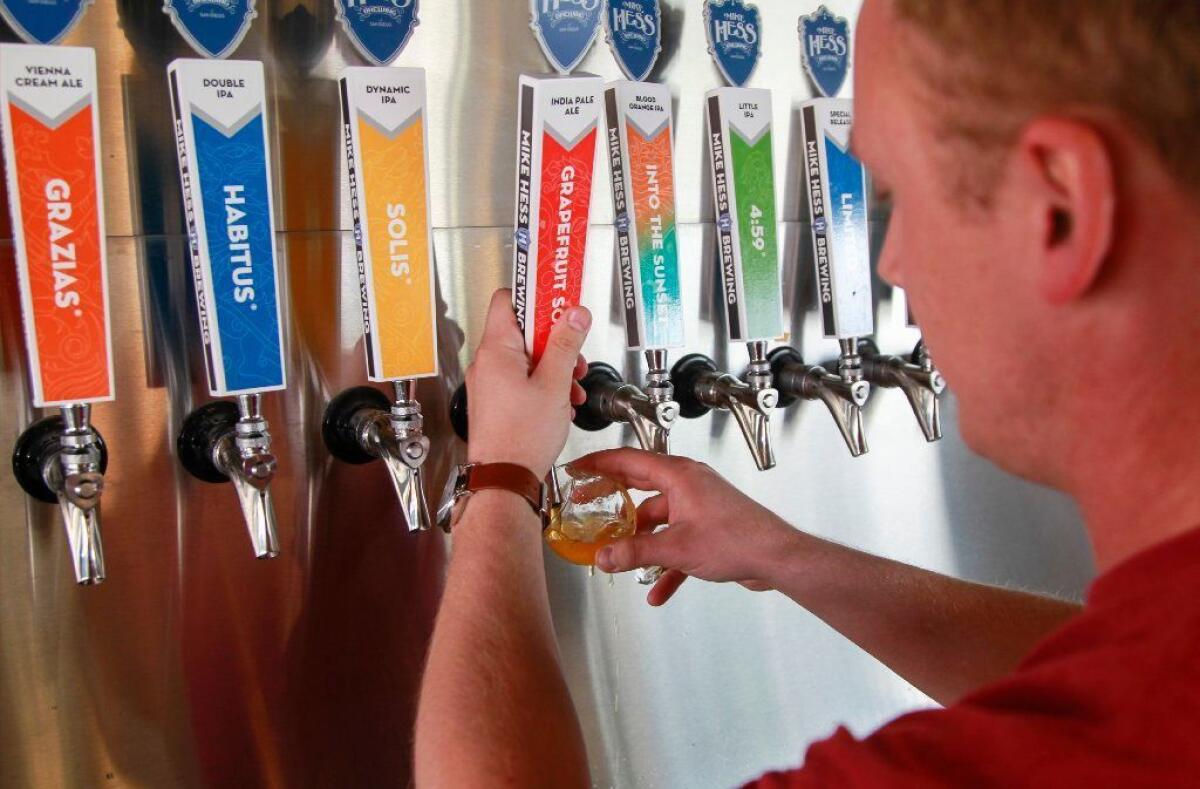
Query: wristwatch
[(516, 479)]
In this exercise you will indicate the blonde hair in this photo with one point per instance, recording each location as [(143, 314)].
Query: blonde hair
[(996, 64)]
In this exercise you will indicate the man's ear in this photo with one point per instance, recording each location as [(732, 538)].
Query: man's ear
[(1070, 171)]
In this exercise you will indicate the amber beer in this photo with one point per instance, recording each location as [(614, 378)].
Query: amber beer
[(589, 512)]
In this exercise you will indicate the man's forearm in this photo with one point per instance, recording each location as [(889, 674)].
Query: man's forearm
[(945, 636), (494, 707)]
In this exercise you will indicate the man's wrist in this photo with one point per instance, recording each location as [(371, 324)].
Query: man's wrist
[(779, 566), (503, 510)]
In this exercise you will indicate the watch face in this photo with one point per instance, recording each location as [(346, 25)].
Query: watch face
[(456, 511), (462, 478), (454, 496)]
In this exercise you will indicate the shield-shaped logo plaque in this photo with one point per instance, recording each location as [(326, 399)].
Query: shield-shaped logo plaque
[(734, 38), (825, 49), (42, 21), (635, 35), (379, 29), (213, 28), (565, 29)]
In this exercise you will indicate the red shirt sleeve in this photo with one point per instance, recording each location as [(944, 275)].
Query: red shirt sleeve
[(1110, 700), (1012, 742)]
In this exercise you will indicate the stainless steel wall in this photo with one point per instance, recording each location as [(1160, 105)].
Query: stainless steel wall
[(196, 665)]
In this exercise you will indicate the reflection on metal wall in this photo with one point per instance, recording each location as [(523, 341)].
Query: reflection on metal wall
[(194, 664)]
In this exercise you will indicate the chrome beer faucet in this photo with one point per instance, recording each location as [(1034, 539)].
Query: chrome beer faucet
[(63, 458), (361, 425), (844, 393), (78, 481), (916, 376), (245, 457), (701, 387), (224, 442), (651, 411)]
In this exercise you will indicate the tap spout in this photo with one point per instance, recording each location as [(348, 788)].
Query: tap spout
[(918, 379), (845, 400), (752, 410), (76, 478), (362, 425), (651, 421), (650, 413), (244, 455), (700, 387), (397, 437), (844, 395)]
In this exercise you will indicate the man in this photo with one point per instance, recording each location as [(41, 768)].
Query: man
[(1045, 181)]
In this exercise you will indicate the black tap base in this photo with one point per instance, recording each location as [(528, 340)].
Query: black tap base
[(458, 412), (35, 448), (339, 428), (599, 377), (780, 359), (201, 431), (684, 377)]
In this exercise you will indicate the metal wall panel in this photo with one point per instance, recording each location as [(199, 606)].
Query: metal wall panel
[(196, 665)]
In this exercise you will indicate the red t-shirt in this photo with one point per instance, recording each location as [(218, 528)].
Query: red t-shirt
[(1112, 699)]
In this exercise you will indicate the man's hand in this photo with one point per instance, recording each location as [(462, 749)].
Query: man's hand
[(716, 532), (518, 416)]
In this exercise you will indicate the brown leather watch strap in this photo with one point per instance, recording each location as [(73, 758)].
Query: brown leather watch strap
[(505, 476)]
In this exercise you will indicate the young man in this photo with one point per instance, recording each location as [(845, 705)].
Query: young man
[(1045, 182)]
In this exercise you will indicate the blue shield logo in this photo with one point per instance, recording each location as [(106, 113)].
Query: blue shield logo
[(42, 21), (565, 29), (734, 38), (378, 28), (635, 35), (214, 28), (825, 49)]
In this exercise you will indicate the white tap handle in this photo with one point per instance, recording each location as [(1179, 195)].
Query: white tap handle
[(837, 198)]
